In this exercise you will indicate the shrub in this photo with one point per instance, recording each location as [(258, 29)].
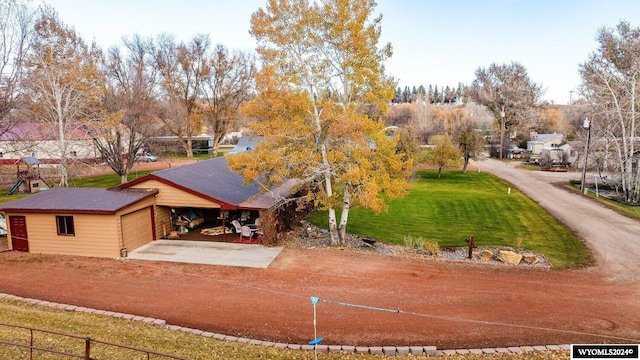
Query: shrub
[(432, 247)]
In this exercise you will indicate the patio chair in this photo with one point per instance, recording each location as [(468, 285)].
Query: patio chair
[(237, 226), (247, 236)]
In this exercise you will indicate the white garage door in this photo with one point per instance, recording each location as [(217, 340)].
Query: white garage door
[(136, 229)]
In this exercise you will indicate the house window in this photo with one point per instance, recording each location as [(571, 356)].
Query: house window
[(65, 225)]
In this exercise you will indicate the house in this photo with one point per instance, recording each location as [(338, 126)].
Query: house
[(40, 141), (81, 221), (111, 222), (540, 141), (246, 143)]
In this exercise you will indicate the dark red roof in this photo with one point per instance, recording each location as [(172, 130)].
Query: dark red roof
[(78, 200)]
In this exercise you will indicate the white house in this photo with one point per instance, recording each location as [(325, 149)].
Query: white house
[(541, 141), (40, 141)]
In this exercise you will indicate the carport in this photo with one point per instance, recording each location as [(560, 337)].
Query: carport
[(209, 253)]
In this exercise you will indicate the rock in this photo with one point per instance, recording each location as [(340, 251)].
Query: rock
[(531, 259), (509, 257), (486, 255)]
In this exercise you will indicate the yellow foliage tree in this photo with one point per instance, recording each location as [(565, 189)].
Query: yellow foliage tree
[(322, 91)]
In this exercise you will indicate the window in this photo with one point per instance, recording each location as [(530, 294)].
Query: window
[(65, 225)]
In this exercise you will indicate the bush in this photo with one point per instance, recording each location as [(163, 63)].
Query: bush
[(432, 247)]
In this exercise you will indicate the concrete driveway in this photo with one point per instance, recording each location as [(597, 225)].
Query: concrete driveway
[(205, 252)]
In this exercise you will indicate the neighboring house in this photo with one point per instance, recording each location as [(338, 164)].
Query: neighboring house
[(37, 140), (111, 222), (541, 141), (81, 221), (246, 143)]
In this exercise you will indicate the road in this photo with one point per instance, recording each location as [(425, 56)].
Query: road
[(613, 238)]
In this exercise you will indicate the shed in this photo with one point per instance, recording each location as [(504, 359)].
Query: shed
[(81, 221)]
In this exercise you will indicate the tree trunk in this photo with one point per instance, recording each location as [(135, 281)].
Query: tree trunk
[(342, 228), (123, 178), (333, 228), (466, 163)]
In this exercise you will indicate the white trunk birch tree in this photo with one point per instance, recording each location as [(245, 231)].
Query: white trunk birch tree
[(322, 92), (611, 83)]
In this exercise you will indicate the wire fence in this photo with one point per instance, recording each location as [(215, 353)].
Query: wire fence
[(23, 342)]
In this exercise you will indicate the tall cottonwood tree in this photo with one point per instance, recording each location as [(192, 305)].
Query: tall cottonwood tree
[(182, 68), (63, 84), (509, 93), (130, 104), (610, 82), (321, 87), (228, 85), (16, 29)]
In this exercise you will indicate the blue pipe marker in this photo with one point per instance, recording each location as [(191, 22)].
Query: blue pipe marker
[(316, 341)]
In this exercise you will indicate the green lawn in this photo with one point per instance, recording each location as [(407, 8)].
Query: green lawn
[(461, 205)]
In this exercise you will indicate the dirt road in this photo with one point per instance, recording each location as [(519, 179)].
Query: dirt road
[(613, 238)]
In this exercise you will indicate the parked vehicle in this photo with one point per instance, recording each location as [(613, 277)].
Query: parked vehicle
[(146, 157)]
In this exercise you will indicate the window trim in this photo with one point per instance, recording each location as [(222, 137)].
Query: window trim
[(68, 223)]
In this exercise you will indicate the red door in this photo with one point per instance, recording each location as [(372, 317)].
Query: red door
[(18, 228)]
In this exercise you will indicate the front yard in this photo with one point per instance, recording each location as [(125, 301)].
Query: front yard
[(473, 204)]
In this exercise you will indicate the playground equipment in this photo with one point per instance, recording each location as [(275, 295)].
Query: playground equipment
[(28, 177)]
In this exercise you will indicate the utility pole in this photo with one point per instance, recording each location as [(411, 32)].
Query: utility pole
[(587, 125)]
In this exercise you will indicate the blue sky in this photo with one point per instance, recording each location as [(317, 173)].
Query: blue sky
[(435, 42)]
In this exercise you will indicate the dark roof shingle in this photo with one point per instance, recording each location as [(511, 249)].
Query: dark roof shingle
[(78, 200)]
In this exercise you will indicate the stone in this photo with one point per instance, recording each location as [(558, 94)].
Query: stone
[(486, 255), (531, 259), (509, 257)]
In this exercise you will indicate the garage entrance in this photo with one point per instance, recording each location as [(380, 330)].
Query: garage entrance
[(136, 229)]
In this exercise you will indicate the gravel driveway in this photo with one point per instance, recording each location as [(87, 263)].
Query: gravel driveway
[(613, 238)]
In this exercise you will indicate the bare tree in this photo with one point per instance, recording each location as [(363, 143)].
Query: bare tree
[(16, 29), (182, 69), (509, 93), (130, 103), (62, 83), (228, 86), (610, 82)]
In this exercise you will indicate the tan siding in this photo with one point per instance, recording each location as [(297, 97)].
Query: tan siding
[(170, 196), (136, 228), (163, 221), (95, 235)]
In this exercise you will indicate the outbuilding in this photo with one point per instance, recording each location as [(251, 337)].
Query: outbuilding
[(81, 221)]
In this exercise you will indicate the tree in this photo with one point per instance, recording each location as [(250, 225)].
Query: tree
[(321, 93), (63, 84), (610, 82), (183, 69), (443, 155), (469, 140), (508, 92), (131, 105), (16, 30), (228, 85)]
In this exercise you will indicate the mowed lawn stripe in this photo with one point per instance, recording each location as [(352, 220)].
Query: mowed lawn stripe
[(459, 205)]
